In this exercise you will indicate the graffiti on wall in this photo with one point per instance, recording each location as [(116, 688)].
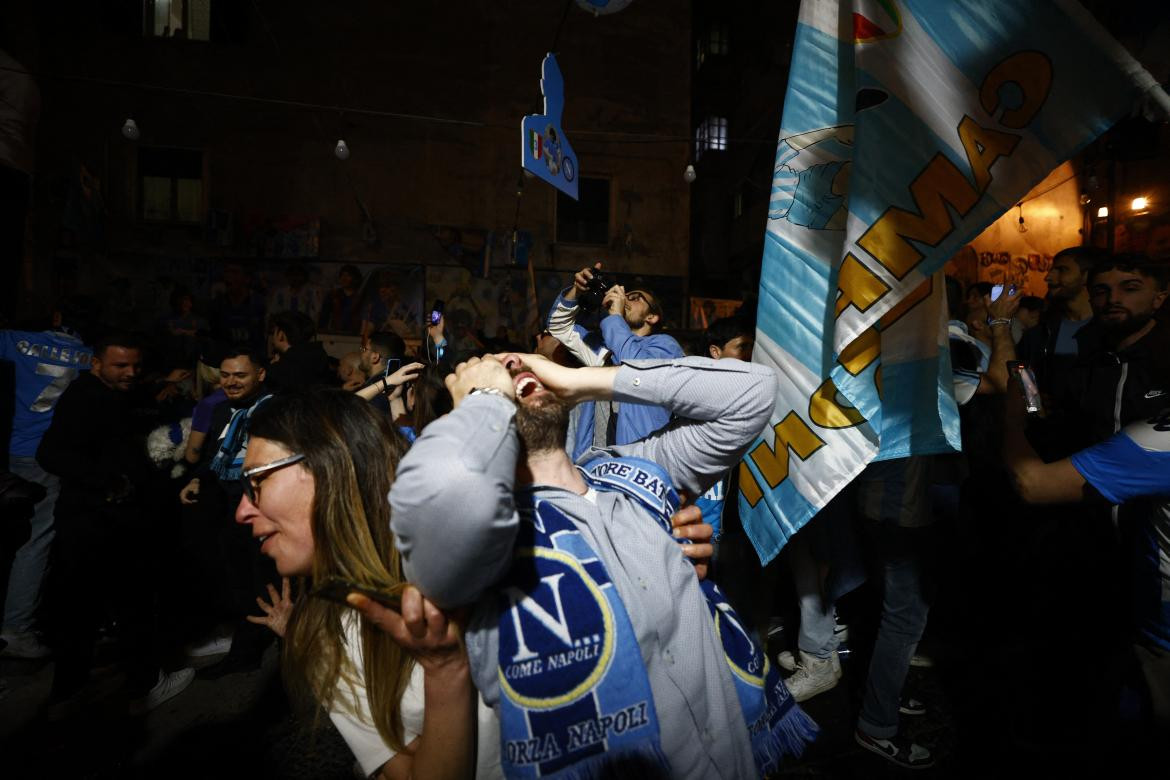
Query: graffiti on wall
[(1024, 271)]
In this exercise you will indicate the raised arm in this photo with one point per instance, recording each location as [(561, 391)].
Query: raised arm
[(1003, 348), (722, 405), (1036, 482), (453, 516), (562, 324)]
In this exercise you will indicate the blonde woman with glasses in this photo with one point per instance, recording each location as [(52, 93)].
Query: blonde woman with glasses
[(395, 683)]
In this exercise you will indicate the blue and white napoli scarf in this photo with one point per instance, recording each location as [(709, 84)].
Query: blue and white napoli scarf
[(228, 462), (575, 694)]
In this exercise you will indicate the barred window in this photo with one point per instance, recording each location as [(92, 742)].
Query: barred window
[(711, 135)]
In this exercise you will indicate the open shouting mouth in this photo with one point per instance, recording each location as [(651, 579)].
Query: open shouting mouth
[(526, 385)]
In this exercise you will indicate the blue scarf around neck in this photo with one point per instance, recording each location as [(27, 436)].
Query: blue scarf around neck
[(228, 462), (575, 695)]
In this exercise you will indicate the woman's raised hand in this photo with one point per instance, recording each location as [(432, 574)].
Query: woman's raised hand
[(275, 614), (434, 637)]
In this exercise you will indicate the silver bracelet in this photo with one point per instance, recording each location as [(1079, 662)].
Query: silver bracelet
[(486, 391), (999, 321)]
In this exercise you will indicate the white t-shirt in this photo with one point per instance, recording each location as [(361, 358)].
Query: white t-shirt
[(363, 739)]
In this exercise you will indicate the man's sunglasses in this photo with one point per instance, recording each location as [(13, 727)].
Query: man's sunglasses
[(251, 485)]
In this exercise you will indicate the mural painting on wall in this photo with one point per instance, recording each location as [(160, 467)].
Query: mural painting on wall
[(340, 297), (1025, 271), (391, 299), (478, 308), (284, 236), (235, 296)]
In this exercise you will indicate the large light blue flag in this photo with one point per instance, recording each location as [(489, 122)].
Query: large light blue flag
[(908, 127)]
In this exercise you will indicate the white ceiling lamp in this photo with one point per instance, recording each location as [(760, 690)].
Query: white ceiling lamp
[(341, 150), (130, 130)]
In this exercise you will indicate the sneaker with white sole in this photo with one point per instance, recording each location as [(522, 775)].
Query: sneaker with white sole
[(25, 645), (922, 661), (169, 685), (787, 661), (217, 645), (911, 706), (898, 750), (813, 676)]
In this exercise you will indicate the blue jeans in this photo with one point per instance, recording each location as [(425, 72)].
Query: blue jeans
[(818, 615), (899, 555), (31, 562)]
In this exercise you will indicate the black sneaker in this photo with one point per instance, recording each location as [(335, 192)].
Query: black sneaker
[(911, 706), (899, 750)]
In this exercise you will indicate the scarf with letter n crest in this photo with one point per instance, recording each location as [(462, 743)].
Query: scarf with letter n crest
[(228, 462), (574, 691)]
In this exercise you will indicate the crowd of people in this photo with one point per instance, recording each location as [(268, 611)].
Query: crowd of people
[(507, 563)]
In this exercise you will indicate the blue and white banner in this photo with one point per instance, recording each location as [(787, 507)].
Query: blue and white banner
[(908, 127)]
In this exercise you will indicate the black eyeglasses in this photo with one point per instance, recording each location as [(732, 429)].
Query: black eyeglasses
[(251, 485)]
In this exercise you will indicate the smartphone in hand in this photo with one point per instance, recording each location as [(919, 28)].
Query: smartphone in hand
[(336, 589), (1032, 403), (437, 311), (997, 290)]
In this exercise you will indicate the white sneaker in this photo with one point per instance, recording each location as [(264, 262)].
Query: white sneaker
[(217, 645), (813, 676), (168, 686), (24, 644), (787, 661)]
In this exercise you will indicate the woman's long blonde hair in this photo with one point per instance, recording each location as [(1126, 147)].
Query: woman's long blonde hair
[(206, 379), (352, 453)]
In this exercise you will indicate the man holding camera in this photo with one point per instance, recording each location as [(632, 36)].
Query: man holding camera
[(627, 333)]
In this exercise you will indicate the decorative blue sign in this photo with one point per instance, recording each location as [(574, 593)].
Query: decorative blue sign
[(544, 149)]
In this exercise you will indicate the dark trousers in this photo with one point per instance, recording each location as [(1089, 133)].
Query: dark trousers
[(104, 566), (900, 558)]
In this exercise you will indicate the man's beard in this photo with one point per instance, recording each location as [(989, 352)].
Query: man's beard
[(1116, 330), (542, 424)]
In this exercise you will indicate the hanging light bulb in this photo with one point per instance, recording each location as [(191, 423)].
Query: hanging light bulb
[(130, 130), (341, 150), (689, 174), (1021, 227)]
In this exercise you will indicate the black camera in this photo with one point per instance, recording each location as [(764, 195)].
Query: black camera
[(596, 289)]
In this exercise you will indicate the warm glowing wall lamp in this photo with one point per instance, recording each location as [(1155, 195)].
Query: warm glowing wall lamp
[(1140, 203), (1102, 212)]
